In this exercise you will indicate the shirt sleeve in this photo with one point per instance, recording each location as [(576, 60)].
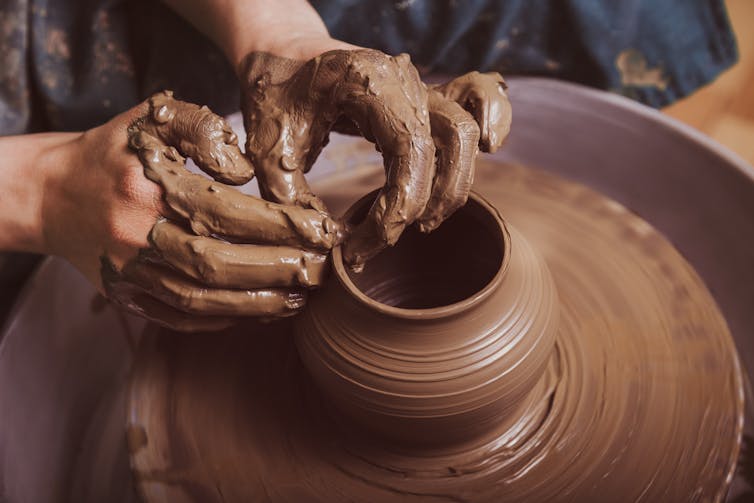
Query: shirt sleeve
[(655, 51)]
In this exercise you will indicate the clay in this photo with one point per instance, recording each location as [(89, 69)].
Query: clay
[(197, 133), (291, 106), (439, 339), (224, 254), (483, 96), (640, 398), (212, 208)]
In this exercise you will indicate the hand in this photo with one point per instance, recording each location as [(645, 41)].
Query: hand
[(178, 248), (469, 110), (428, 137)]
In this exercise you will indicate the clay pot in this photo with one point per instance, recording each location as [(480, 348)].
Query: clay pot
[(441, 338)]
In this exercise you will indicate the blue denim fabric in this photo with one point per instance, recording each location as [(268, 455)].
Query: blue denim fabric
[(689, 42)]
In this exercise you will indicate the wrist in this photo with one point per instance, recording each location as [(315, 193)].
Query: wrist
[(29, 165), (57, 163), (285, 28), (287, 56), (300, 46)]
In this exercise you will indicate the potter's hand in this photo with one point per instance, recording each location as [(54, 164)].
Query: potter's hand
[(470, 110), (290, 106), (183, 250)]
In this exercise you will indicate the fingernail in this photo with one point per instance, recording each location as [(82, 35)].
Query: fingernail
[(329, 225), (295, 301), (335, 229)]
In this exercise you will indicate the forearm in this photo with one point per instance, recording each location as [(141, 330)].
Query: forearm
[(288, 28), (26, 164)]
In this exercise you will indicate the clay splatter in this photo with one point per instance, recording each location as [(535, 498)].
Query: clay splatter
[(635, 71)]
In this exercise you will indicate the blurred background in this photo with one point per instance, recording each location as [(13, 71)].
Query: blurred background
[(724, 109)]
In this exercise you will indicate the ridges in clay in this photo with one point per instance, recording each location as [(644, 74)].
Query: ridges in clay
[(450, 371), (640, 399)]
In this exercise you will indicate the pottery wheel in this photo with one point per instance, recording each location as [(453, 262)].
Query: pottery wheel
[(646, 403)]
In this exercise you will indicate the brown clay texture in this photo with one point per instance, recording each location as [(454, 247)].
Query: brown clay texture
[(642, 392), (428, 137), (219, 254), (441, 341)]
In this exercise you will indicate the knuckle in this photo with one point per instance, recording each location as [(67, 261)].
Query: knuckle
[(212, 125), (467, 129), (311, 270), (204, 268), (188, 301), (134, 189), (207, 273), (263, 304)]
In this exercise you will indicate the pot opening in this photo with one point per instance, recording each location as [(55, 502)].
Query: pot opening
[(449, 265)]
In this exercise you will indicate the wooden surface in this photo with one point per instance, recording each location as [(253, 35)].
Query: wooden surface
[(724, 109)]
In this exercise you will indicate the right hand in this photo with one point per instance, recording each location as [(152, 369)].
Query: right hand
[(429, 138), (178, 248)]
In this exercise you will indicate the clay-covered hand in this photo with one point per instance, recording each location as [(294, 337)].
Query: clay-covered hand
[(483, 96), (180, 248), (428, 137), (468, 113)]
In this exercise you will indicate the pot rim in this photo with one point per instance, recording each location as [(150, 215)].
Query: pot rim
[(341, 271)]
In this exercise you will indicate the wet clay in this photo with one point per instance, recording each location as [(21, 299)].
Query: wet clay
[(220, 254), (640, 399), (415, 347), (428, 137), (223, 255)]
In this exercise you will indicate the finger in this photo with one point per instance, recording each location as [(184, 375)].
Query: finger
[(282, 184), (484, 96), (492, 110), (158, 312), (344, 125), (134, 299), (197, 133), (283, 140), (394, 116), (216, 263), (214, 209), (409, 171), (191, 297), (456, 136)]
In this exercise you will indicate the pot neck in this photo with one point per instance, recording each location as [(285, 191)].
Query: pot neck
[(499, 236)]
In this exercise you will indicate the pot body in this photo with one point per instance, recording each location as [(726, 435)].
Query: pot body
[(434, 376)]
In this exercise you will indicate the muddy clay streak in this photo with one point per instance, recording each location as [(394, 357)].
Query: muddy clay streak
[(637, 398)]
